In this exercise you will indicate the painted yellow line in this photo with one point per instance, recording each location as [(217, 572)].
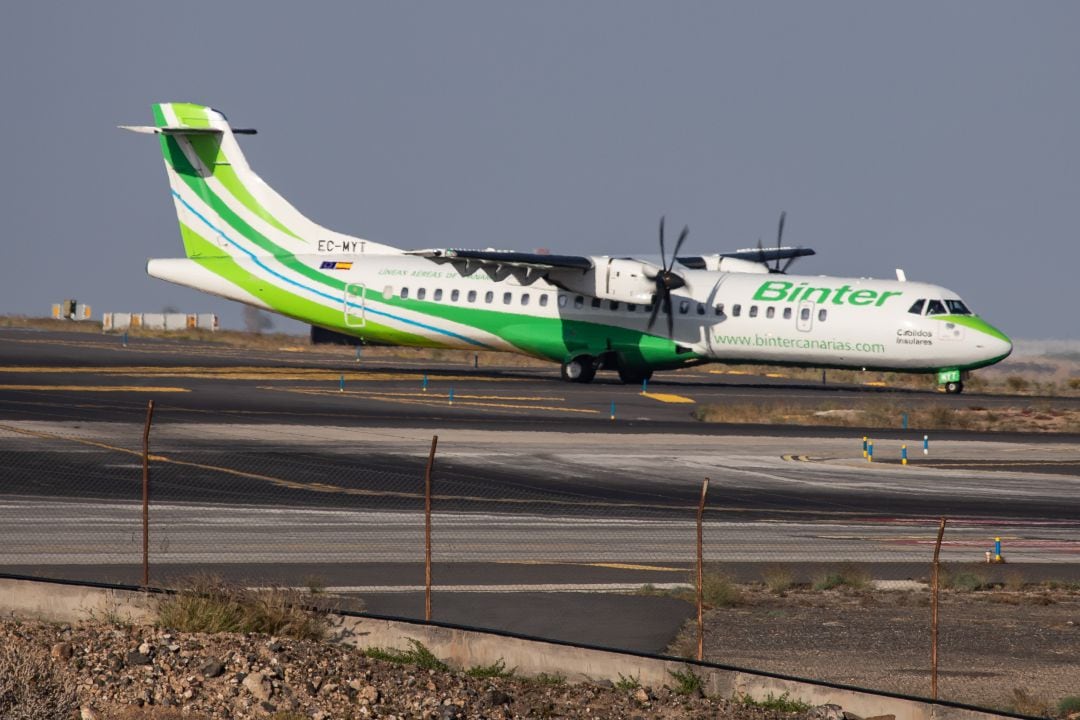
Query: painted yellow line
[(430, 399), (875, 383), (774, 375), (97, 388), (728, 372), (795, 458), (246, 373), (436, 393), (667, 398)]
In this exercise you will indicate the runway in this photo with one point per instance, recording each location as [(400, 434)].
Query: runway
[(264, 467)]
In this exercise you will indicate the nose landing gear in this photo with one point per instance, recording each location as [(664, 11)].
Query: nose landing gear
[(954, 388)]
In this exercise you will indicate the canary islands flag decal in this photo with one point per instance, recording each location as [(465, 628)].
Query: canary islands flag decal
[(335, 265)]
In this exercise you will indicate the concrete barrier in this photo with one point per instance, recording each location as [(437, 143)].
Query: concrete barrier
[(464, 648)]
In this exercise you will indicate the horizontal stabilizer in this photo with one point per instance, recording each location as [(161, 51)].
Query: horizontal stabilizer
[(182, 130)]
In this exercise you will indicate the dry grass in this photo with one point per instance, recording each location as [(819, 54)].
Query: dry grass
[(209, 604), (31, 688), (778, 579), (846, 576), (1038, 417)]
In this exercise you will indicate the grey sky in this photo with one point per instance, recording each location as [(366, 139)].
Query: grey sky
[(937, 137)]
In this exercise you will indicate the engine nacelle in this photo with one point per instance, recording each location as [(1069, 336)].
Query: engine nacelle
[(620, 279), (720, 263)]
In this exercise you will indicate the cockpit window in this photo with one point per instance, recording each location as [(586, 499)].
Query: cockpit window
[(936, 307), (957, 307), (917, 308)]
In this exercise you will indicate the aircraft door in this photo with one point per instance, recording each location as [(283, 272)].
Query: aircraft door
[(354, 305), (804, 321)]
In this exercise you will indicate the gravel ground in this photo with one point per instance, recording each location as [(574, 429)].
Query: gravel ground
[(991, 642), (143, 672)]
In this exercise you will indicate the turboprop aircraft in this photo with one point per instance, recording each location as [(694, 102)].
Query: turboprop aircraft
[(245, 242)]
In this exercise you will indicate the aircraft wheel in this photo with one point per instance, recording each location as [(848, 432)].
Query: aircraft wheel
[(954, 388), (634, 376), (581, 369)]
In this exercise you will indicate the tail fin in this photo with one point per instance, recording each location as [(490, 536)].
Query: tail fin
[(224, 208)]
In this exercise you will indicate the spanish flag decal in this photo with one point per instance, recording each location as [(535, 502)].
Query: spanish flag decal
[(335, 265)]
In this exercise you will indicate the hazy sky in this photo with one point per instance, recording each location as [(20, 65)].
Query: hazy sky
[(941, 137)]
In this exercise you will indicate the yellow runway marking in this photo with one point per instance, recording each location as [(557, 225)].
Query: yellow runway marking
[(875, 383), (430, 398), (667, 398), (796, 458), (98, 388), (249, 373), (810, 515), (434, 393)]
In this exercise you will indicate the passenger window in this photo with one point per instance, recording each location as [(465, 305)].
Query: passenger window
[(917, 308), (421, 293), (684, 307), (489, 297), (543, 300), (438, 295), (753, 311), (822, 314), (472, 296), (736, 310), (787, 313), (596, 302), (631, 307), (770, 312), (614, 304), (507, 298), (700, 308), (404, 293), (579, 302), (719, 310), (525, 298), (562, 301), (454, 295), (935, 307), (804, 314), (388, 292)]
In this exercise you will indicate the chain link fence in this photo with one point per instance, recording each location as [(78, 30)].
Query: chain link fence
[(308, 506)]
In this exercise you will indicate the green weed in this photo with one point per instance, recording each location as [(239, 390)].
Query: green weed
[(627, 682), (687, 681), (496, 669), (784, 703), (417, 655)]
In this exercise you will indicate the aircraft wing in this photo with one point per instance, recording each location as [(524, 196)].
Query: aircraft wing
[(506, 259), (758, 255)]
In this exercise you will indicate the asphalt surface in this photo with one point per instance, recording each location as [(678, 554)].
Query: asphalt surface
[(267, 469)]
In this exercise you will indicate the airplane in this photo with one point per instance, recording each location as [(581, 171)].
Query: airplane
[(244, 242)]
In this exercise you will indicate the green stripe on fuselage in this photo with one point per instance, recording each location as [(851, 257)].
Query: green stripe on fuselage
[(975, 323)]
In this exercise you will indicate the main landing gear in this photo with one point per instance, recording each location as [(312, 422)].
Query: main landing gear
[(954, 388), (581, 369)]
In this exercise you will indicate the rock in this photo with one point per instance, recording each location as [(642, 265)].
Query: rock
[(641, 695), (495, 698), (146, 649), (881, 717), (61, 651), (88, 713), (258, 686), (852, 716), (449, 712), (134, 657), (369, 695), (827, 712), (274, 646), (211, 668)]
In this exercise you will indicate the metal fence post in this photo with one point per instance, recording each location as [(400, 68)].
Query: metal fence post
[(146, 494), (427, 529), (935, 587), (700, 574)]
